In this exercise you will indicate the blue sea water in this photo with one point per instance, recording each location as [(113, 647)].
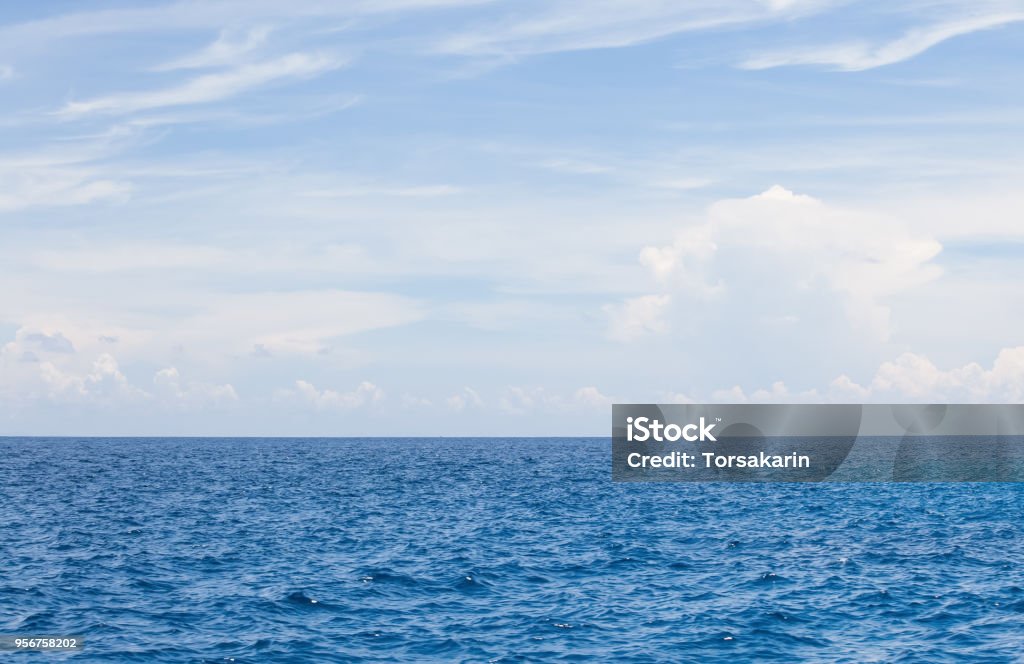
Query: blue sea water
[(504, 550)]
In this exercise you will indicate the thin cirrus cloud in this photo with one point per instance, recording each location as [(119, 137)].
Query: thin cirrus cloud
[(180, 16), (572, 26), (228, 49), (860, 56), (209, 87)]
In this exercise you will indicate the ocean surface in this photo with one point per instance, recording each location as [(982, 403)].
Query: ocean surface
[(502, 550)]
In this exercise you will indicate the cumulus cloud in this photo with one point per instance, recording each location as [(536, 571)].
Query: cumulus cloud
[(171, 388), (911, 377), (675, 397), (467, 397), (103, 383), (591, 396), (918, 378), (416, 401), (518, 400), (781, 245), (637, 317), (366, 393), (45, 366)]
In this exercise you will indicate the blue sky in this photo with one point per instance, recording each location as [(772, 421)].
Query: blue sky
[(431, 217)]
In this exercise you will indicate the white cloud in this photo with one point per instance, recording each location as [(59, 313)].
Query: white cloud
[(228, 49), (209, 15), (576, 166), (103, 383), (591, 396), (130, 257), (326, 400), (637, 317), (682, 184), (517, 400), (911, 377), (569, 25), (781, 245), (299, 322), (675, 397), (416, 401), (916, 377), (683, 263), (42, 366), (467, 397), (420, 191), (29, 366), (169, 385), (6, 72), (209, 87), (858, 56), (41, 185)]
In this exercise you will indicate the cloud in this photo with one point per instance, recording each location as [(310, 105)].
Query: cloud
[(209, 87), (130, 257), (297, 322), (682, 184), (416, 401), (675, 397), (915, 377), (911, 377), (57, 374), (32, 346), (467, 397), (228, 49), (55, 186), (575, 166), (60, 172), (591, 396), (571, 25), (170, 388), (46, 343), (638, 317), (210, 15), (104, 383), (785, 247), (6, 72), (517, 400), (325, 400), (420, 191), (859, 56)]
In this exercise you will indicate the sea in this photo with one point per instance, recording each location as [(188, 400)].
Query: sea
[(488, 550)]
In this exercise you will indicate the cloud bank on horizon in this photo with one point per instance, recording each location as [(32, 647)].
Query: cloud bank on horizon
[(423, 217)]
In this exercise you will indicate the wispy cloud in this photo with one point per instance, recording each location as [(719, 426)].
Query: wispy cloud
[(571, 25), (210, 87), (228, 49), (6, 72), (859, 56), (421, 191), (186, 15), (48, 184)]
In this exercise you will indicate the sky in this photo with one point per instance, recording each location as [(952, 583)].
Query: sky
[(472, 217)]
